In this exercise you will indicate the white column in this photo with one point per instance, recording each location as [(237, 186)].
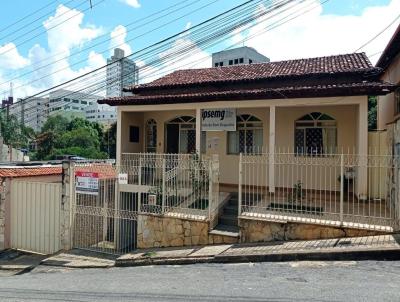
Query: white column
[(119, 135), (362, 148), (198, 131), (271, 175)]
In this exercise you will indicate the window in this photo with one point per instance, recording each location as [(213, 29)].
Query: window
[(397, 101), (241, 60), (133, 134), (230, 62), (75, 101), (250, 61), (221, 64), (151, 136), (236, 61), (315, 134), (84, 102), (216, 64), (248, 137)]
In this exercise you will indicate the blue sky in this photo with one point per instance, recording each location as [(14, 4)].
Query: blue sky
[(338, 26)]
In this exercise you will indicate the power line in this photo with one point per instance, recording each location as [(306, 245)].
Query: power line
[(107, 40), (377, 35), (96, 88), (50, 28)]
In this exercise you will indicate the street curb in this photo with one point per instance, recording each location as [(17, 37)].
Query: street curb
[(383, 254), (49, 263)]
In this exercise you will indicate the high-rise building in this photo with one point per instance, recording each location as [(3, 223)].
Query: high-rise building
[(69, 103), (30, 111), (238, 56), (121, 72), (103, 114)]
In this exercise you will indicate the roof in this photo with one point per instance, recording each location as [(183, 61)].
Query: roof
[(104, 170), (16, 171), (375, 88), (349, 63), (391, 50), (340, 75)]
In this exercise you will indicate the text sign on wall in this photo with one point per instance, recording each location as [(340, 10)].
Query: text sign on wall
[(218, 120), (87, 183)]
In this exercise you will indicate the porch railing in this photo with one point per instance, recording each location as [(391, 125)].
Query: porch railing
[(336, 189), (176, 185)]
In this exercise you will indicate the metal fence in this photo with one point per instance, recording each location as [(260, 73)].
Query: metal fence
[(104, 219), (327, 188), (181, 185)]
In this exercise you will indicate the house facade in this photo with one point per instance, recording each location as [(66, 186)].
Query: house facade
[(290, 134), (389, 105)]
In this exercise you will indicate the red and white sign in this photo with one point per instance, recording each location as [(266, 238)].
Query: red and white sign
[(87, 182)]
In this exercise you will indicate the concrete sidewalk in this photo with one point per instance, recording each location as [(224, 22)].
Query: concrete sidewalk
[(384, 247)]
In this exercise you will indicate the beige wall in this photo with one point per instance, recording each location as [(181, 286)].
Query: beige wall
[(386, 102), (131, 119)]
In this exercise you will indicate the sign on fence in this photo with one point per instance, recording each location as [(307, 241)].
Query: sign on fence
[(123, 178), (87, 183), (218, 120)]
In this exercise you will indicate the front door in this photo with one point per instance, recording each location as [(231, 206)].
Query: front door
[(172, 138)]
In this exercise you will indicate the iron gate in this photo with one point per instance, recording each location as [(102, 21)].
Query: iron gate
[(105, 220)]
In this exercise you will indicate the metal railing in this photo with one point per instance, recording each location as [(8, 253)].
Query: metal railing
[(324, 188), (177, 185)]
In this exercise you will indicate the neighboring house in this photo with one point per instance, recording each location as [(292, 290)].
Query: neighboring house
[(237, 56), (121, 72), (10, 172), (291, 139), (389, 105)]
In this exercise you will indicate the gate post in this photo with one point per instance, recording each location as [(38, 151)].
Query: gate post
[(67, 201)]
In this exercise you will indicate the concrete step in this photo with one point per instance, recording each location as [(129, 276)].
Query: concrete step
[(230, 220), (226, 230)]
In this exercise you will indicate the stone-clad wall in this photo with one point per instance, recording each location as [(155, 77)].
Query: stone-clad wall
[(264, 231), (159, 231), (2, 215)]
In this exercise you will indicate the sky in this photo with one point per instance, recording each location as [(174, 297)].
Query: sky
[(46, 42)]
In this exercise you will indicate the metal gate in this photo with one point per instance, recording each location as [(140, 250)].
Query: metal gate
[(105, 220), (35, 216)]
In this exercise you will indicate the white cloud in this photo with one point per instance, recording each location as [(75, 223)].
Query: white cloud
[(10, 57), (61, 40), (118, 37), (133, 3), (316, 34)]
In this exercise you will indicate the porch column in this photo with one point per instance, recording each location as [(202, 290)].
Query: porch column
[(198, 131), (271, 175), (362, 148), (119, 134)]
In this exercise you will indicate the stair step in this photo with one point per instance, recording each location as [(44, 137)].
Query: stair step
[(230, 220), (226, 230), (231, 210)]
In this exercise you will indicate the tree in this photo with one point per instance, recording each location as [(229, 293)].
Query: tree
[(109, 141), (372, 113), (14, 134)]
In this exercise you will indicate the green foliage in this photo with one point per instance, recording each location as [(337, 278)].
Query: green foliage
[(60, 136), (14, 134), (372, 113), (109, 141)]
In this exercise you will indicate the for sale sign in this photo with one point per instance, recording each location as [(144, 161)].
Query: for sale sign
[(87, 183)]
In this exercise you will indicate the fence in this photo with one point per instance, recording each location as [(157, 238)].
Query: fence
[(338, 189), (182, 185), (104, 219)]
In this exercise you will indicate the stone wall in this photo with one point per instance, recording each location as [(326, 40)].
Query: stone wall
[(264, 231), (159, 231), (2, 214)]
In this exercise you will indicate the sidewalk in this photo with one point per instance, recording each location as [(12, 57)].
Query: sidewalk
[(384, 247)]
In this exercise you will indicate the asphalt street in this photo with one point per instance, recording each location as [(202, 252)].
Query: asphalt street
[(293, 281)]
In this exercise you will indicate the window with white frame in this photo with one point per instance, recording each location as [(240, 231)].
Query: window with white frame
[(151, 136), (248, 137), (315, 134), (397, 101)]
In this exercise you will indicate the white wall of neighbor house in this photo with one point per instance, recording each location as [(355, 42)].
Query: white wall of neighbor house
[(345, 110)]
